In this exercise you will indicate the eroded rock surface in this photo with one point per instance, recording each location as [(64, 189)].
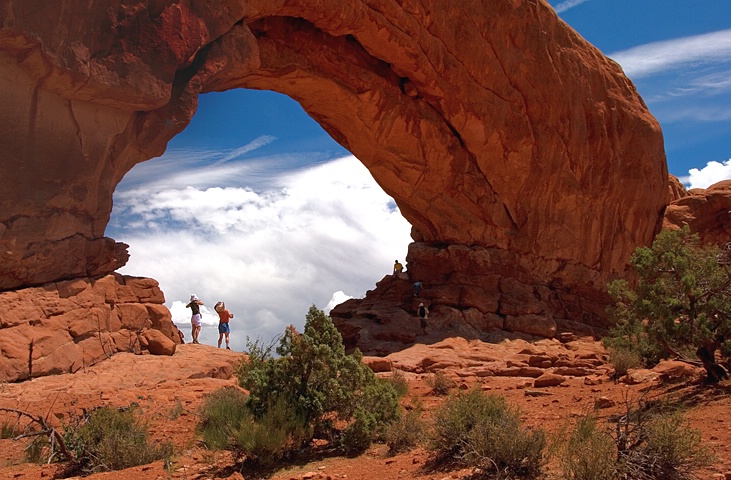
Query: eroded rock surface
[(66, 326), (493, 125)]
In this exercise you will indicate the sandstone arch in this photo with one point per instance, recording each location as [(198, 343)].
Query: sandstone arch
[(492, 124)]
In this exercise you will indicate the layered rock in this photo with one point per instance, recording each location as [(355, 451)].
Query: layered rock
[(65, 326), (507, 134)]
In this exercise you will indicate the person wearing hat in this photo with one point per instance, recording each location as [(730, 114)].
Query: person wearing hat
[(195, 319), (223, 318)]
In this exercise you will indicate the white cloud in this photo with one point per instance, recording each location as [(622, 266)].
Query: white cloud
[(657, 57), (712, 173), (567, 5), (306, 238), (337, 298)]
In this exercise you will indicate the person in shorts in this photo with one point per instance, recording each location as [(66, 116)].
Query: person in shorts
[(224, 316), (195, 319)]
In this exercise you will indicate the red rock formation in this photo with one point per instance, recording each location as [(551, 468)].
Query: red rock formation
[(66, 326), (707, 212), (508, 134), (676, 189)]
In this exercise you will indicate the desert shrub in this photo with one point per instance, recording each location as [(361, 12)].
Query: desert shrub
[(406, 433), (221, 414), (272, 437), (648, 442), (399, 382), (38, 450), (176, 410), (110, 439), (7, 430), (311, 387), (483, 431), (440, 383), (588, 452), (671, 449), (623, 359)]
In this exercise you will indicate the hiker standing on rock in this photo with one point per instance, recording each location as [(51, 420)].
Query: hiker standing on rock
[(397, 267), (195, 319), (223, 328), (423, 312)]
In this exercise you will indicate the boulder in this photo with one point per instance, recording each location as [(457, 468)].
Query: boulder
[(157, 343), (548, 380)]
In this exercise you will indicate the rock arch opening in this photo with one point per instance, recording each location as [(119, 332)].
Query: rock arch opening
[(262, 210)]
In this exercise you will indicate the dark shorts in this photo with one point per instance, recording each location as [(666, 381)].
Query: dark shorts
[(223, 328)]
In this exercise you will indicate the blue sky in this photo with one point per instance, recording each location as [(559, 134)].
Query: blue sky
[(254, 204)]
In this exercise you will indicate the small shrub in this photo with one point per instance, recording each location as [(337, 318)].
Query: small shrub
[(7, 430), (482, 431), (440, 384), (405, 433), (623, 359), (267, 440), (222, 412), (110, 439), (322, 388), (672, 450), (588, 452), (176, 410), (399, 382), (648, 442), (38, 450)]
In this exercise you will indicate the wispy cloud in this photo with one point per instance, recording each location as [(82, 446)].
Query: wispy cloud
[(704, 177), (251, 146), (567, 5), (656, 57), (316, 235)]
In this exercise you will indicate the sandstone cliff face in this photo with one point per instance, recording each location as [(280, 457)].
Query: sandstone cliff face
[(66, 326), (492, 124)]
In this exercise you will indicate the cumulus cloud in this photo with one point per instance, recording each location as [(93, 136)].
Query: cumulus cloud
[(657, 57), (704, 177), (269, 248), (567, 5)]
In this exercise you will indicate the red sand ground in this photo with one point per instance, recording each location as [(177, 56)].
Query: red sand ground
[(170, 390)]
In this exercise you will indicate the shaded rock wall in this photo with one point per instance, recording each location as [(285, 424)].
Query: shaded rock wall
[(66, 326), (491, 123)]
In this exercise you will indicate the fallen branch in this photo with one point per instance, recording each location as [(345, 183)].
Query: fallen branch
[(679, 356), (54, 437)]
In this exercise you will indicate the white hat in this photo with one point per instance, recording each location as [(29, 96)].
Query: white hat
[(193, 297), (219, 306)]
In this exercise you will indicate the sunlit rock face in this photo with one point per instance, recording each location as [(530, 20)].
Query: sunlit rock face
[(493, 125), (65, 326), (707, 212)]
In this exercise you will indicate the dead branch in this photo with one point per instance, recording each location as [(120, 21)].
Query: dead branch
[(54, 437)]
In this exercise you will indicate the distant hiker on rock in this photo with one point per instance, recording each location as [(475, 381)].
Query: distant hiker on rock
[(223, 318), (195, 319), (423, 313), (417, 288), (397, 267)]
